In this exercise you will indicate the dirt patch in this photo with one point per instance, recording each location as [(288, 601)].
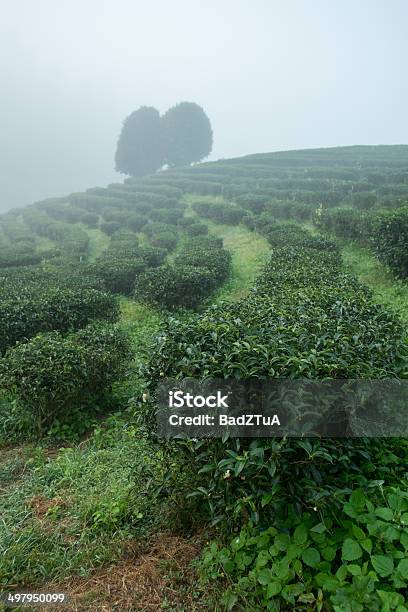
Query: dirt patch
[(145, 580), (43, 506)]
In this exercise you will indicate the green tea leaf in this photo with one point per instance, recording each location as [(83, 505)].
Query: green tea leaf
[(351, 550), (384, 566), (311, 557)]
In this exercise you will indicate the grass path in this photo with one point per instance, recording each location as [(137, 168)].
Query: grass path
[(98, 242), (248, 251), (387, 290)]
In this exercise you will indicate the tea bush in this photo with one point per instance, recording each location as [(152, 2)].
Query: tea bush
[(110, 227), (391, 241), (136, 222), (61, 373), (197, 229), (117, 269), (305, 318), (206, 255), (26, 311), (91, 220), (167, 215), (174, 286), (223, 212), (280, 234)]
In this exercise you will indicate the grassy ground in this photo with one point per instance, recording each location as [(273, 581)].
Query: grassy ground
[(387, 290), (363, 263), (78, 516), (98, 242), (65, 511), (249, 252), (44, 244)]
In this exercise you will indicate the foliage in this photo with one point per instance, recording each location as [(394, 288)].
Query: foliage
[(187, 134), (305, 318), (117, 271), (174, 286), (222, 212), (55, 305), (205, 255), (61, 372), (391, 241), (140, 149), (90, 219), (357, 562), (110, 227)]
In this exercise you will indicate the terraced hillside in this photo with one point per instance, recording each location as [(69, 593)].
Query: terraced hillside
[(283, 265)]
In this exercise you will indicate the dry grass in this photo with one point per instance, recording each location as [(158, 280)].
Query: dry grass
[(146, 579)]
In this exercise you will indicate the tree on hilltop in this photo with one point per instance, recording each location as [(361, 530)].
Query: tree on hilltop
[(187, 134), (140, 146)]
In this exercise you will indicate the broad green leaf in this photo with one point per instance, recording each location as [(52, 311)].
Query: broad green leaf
[(403, 568), (329, 553), (367, 545), (390, 599), (273, 589), (384, 566), (351, 550), (355, 570), (264, 576), (319, 528), (358, 499), (300, 534), (358, 533), (384, 513), (311, 557)]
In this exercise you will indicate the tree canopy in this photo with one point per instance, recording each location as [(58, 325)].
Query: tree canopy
[(183, 135), (139, 150), (187, 134)]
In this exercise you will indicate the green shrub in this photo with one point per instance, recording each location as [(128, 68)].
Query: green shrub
[(252, 201), (282, 234), (123, 240), (390, 239), (357, 562), (136, 222), (197, 229), (205, 255), (110, 227), (94, 203), (222, 212), (91, 220), (164, 240), (174, 286), (305, 318), (345, 222), (114, 215), (19, 256), (26, 311), (62, 211), (117, 270), (167, 215), (364, 200), (62, 372)]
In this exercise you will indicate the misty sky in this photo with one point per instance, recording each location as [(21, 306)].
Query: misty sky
[(271, 74)]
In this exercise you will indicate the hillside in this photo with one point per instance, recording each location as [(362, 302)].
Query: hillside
[(288, 265)]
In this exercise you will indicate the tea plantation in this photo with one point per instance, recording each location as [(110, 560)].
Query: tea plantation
[(233, 270)]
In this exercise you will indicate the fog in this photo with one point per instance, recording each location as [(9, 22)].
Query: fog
[(271, 75)]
